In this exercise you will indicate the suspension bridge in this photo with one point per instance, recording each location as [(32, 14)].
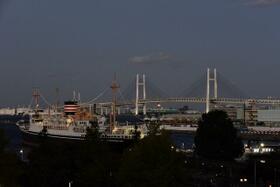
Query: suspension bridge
[(210, 100), (142, 92)]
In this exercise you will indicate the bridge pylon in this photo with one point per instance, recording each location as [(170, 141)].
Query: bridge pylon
[(211, 77), (140, 83)]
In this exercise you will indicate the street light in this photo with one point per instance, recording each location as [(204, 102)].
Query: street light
[(242, 180), (21, 154), (262, 161)]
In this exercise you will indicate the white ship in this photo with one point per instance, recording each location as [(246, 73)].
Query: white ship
[(72, 123), (74, 127)]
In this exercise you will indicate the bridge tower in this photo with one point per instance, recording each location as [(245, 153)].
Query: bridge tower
[(140, 83), (211, 77)]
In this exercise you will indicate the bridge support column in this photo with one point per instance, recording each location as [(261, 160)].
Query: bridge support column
[(137, 95), (144, 95), (138, 84), (208, 97), (208, 92), (215, 84)]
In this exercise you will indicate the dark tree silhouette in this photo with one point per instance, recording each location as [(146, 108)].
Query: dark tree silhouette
[(153, 162), (216, 137), (10, 166), (153, 128), (3, 141)]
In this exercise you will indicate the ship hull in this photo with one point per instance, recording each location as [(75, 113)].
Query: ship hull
[(32, 139)]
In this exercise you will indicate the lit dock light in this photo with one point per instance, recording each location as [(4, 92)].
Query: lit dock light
[(243, 180), (262, 161), (21, 154)]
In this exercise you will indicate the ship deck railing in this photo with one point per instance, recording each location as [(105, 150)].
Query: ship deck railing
[(78, 129), (117, 136), (57, 127)]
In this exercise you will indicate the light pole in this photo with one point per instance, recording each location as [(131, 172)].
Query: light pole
[(275, 177), (255, 173), (255, 170)]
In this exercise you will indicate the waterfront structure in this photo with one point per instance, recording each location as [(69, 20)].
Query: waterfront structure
[(188, 117), (269, 117), (259, 116), (14, 111)]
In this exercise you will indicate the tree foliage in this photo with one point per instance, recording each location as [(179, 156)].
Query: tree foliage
[(216, 137), (98, 162), (153, 162), (87, 163), (3, 141), (153, 128), (10, 166)]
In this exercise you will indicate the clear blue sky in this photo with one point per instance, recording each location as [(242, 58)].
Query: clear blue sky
[(80, 44)]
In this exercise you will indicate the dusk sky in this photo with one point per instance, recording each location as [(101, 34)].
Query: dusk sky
[(78, 45)]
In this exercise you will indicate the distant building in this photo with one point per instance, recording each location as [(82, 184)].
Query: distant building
[(250, 114), (14, 111), (7, 111), (231, 111), (254, 116), (270, 117), (188, 117)]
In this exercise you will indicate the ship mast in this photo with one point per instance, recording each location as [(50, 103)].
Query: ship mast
[(36, 96), (57, 99), (114, 88)]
